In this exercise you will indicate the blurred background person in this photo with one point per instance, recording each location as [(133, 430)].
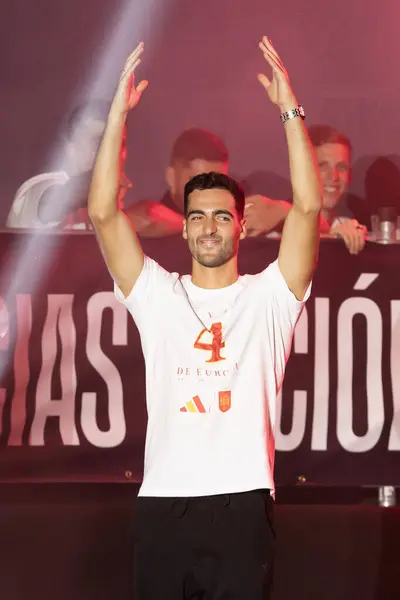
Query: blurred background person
[(194, 152), (58, 199), (333, 153)]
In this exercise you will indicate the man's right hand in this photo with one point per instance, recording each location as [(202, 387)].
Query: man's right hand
[(264, 215), (128, 95), (353, 234), (153, 219), (118, 241)]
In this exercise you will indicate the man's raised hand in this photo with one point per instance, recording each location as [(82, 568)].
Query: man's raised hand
[(128, 95), (278, 87)]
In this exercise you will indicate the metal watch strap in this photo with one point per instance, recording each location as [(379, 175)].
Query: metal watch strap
[(292, 114)]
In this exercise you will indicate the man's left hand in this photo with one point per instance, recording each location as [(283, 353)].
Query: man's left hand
[(278, 87)]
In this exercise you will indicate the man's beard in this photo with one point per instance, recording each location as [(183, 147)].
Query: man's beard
[(212, 259)]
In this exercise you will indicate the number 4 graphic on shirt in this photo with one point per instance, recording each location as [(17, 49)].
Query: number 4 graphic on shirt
[(196, 406), (216, 344)]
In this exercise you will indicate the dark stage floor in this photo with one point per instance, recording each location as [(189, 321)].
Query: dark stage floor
[(74, 542)]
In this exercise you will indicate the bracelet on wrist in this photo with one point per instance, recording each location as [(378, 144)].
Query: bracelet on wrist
[(298, 111)]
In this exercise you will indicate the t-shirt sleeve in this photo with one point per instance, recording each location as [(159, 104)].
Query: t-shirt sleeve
[(149, 288), (283, 311), (283, 299)]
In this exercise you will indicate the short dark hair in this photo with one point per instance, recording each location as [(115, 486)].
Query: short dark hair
[(198, 143), (92, 110), (220, 181), (326, 134)]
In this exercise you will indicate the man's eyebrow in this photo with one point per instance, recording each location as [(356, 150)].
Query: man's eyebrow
[(196, 211), (219, 211), (223, 211)]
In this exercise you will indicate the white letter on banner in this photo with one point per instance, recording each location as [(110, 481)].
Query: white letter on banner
[(4, 347), (394, 438), (21, 369), (290, 441), (319, 438), (59, 323), (109, 372), (375, 405)]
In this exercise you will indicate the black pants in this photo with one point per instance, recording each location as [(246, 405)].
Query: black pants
[(205, 548)]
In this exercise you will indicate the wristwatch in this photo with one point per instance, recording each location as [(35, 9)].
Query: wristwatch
[(292, 114)]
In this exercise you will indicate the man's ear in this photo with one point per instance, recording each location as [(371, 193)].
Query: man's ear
[(170, 179), (184, 231), (243, 229), (350, 177)]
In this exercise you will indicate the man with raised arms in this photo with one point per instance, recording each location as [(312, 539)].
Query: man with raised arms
[(215, 346)]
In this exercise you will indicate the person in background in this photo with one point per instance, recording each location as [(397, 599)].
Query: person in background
[(58, 200), (333, 151), (198, 151)]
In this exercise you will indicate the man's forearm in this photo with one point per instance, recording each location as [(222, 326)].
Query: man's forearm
[(103, 195), (304, 175)]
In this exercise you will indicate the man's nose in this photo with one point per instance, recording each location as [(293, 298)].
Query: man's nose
[(210, 225), (334, 174)]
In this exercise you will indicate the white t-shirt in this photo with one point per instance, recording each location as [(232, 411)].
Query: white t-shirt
[(215, 361)]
